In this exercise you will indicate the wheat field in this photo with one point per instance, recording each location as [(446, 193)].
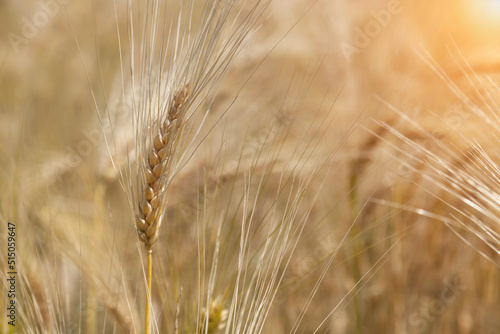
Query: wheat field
[(250, 166)]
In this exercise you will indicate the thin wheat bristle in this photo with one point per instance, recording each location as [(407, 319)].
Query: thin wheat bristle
[(148, 218)]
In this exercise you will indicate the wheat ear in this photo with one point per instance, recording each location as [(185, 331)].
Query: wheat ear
[(148, 219), (159, 158)]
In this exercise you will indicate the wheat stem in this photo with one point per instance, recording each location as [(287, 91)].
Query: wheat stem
[(147, 314), (148, 219)]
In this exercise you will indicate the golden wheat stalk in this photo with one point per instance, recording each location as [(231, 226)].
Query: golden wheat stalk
[(178, 65), (151, 207)]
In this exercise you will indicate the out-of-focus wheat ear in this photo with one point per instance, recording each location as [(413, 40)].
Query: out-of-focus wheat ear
[(159, 158), (214, 319)]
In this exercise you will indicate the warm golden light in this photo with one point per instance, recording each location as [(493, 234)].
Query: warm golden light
[(495, 4), (483, 12), (489, 6)]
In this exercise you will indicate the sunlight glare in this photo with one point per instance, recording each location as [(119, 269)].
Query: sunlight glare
[(484, 11), (491, 6)]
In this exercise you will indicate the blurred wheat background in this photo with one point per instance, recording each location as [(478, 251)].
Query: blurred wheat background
[(345, 179)]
